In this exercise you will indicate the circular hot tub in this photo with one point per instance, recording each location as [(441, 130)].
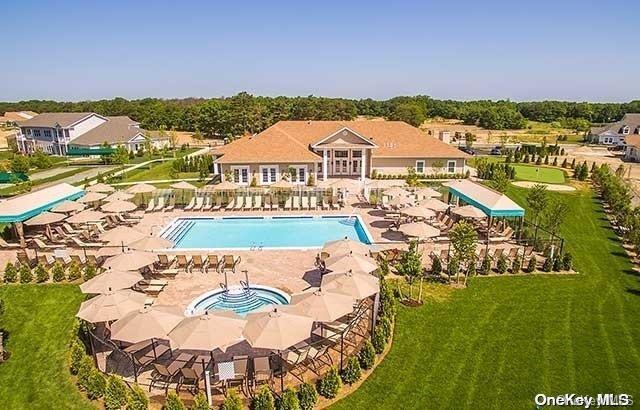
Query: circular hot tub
[(241, 300)]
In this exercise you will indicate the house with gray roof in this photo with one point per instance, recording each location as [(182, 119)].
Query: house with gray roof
[(617, 132), (73, 132)]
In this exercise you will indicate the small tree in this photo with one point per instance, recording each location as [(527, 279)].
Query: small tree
[(557, 263), (173, 402), (74, 271), (58, 272), (555, 161), (567, 261), (138, 399), (307, 396), (89, 272), (564, 163), (329, 386), (485, 266), (532, 265), (516, 267), (95, 384), (367, 356), (41, 274), (311, 181), (501, 265), (537, 199), (352, 372), (25, 274), (10, 273), (463, 238), (548, 264), (115, 393), (77, 356), (232, 402), (288, 400), (453, 267), (263, 400), (410, 264), (436, 266)]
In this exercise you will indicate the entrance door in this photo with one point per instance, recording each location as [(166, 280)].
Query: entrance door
[(356, 164), (341, 167)]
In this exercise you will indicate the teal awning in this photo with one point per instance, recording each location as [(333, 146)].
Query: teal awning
[(22, 207), (492, 203), (12, 177), (81, 151)]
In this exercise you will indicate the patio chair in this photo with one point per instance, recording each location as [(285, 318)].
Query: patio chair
[(262, 372), (124, 221), (81, 244), (513, 253), (229, 262), (191, 204), (313, 202), (325, 204), (62, 256), (69, 229), (335, 204), (79, 259), (296, 203), (247, 203), (305, 202), (257, 204), (214, 262), (62, 233), (267, 203), (230, 205), (24, 259), (240, 365), (150, 206), (199, 203), (159, 205), (207, 204), (217, 205), (165, 261), (239, 203), (188, 377), (151, 287), (171, 205), (184, 262), (162, 373), (198, 262), (288, 204), (275, 206), (46, 259), (38, 244)]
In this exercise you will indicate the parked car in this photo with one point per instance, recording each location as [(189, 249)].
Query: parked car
[(496, 151), (469, 151)]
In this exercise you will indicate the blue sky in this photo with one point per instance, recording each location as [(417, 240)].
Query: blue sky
[(562, 49)]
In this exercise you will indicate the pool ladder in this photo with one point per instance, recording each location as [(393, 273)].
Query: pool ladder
[(256, 247)]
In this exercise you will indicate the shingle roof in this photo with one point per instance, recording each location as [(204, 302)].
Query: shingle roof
[(289, 141), (18, 116), (114, 130), (632, 120), (50, 119)]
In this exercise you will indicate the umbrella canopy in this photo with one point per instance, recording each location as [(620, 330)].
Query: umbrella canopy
[(92, 197), (434, 204), (344, 184), (396, 191), (358, 285), (418, 212), (119, 196), (45, 218), (111, 280), (322, 306), (382, 183), (132, 260), (85, 216), (119, 206), (111, 249), (351, 262), (121, 234), (100, 187), (225, 186), (427, 193), (400, 201), (141, 189), (149, 322), (276, 329), (346, 246), (68, 206), (419, 230), (209, 331), (282, 184), (469, 211), (111, 305), (151, 242), (184, 186)]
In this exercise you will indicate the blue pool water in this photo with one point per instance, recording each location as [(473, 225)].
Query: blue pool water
[(238, 299), (259, 232)]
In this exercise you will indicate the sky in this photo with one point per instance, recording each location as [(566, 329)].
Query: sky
[(535, 50)]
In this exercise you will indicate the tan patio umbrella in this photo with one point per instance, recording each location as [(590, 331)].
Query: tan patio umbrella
[(352, 262), (111, 249), (68, 206), (321, 305), (184, 186), (100, 187), (399, 201), (141, 189), (111, 305), (427, 193), (358, 285), (282, 184), (91, 197), (225, 186), (118, 206), (396, 191), (419, 230), (148, 322), (111, 280), (121, 234), (132, 260), (434, 204), (418, 212), (150, 243), (85, 216), (45, 218), (469, 211), (344, 184), (209, 331), (119, 196), (276, 329), (384, 184), (346, 246)]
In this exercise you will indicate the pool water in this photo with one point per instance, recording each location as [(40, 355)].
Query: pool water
[(241, 300), (261, 232)]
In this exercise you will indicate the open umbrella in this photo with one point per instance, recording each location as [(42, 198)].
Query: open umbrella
[(418, 212), (91, 197), (469, 211), (110, 280), (351, 262), (345, 246), (151, 243), (85, 216), (321, 305), (276, 329), (132, 260), (434, 204), (119, 196), (100, 187), (282, 184), (148, 322), (358, 285), (184, 186), (119, 206), (45, 218), (419, 230), (427, 193), (396, 191), (400, 200), (111, 249), (111, 305), (209, 331), (121, 235), (141, 189), (68, 206), (225, 186)]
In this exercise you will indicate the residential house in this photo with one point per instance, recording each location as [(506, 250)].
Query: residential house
[(13, 118), (632, 149), (617, 132), (352, 149)]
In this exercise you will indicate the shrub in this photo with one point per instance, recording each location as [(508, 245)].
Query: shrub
[(385, 326), (89, 272), (232, 402), (58, 272), (173, 402), (330, 384), (367, 356), (567, 261), (307, 396), (74, 272), (96, 384), (41, 274), (485, 267), (352, 372), (548, 264), (436, 266), (10, 273), (557, 263), (83, 370), (516, 267), (25, 274), (501, 264), (533, 263), (77, 355), (383, 267), (138, 399), (288, 401), (453, 267), (387, 300), (263, 400), (115, 394), (200, 402), (379, 341)]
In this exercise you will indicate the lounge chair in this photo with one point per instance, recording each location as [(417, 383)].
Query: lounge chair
[(267, 203), (218, 204), (165, 261), (93, 260), (46, 259), (184, 262), (191, 204), (305, 202), (247, 203), (188, 377), (199, 203), (62, 233), (296, 203), (69, 229), (257, 203), (25, 259), (288, 204), (214, 263), (81, 244), (198, 262), (262, 372), (207, 204), (229, 262), (171, 205), (124, 221), (7, 245), (79, 259), (325, 204), (334, 203), (239, 203), (151, 287), (231, 204), (313, 202), (275, 206), (162, 373), (62, 256), (38, 244), (160, 205), (150, 206)]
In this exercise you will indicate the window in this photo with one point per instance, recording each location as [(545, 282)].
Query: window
[(356, 154), (268, 174), (240, 175), (299, 174), (625, 130), (451, 167), (420, 167), (342, 154), (47, 133), (36, 133)]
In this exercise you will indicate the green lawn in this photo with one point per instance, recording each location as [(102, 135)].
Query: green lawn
[(158, 171), (39, 319), (503, 340), (12, 190), (539, 174)]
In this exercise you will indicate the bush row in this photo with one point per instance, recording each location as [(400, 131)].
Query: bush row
[(40, 274)]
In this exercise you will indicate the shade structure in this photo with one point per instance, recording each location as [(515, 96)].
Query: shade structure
[(132, 260), (225, 186), (141, 189), (91, 197), (121, 234), (276, 329), (384, 184), (399, 201), (118, 206), (100, 187), (150, 243), (427, 193), (22, 207), (68, 206), (111, 305), (45, 218), (396, 191), (282, 184), (418, 212), (346, 246), (85, 216), (209, 331), (184, 186), (493, 203), (343, 183), (434, 204), (419, 230), (119, 196), (351, 262), (321, 305), (358, 285), (469, 211), (111, 280), (148, 322)]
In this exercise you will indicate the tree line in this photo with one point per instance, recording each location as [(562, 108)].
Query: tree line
[(244, 113)]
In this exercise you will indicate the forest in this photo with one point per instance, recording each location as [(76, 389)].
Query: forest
[(244, 113)]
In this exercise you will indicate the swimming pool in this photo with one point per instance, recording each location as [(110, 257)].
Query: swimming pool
[(277, 232), (241, 300)]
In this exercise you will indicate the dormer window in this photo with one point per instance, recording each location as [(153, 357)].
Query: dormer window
[(637, 131), (625, 130)]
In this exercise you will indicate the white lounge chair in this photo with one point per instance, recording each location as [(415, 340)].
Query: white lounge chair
[(313, 202), (218, 204), (247, 203), (274, 204), (199, 203), (305, 202), (172, 204), (207, 204), (288, 204), (160, 205), (267, 203), (239, 203), (325, 204), (257, 203), (296, 203), (191, 204), (231, 204), (150, 206)]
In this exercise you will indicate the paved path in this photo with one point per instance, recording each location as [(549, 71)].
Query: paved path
[(50, 172), (550, 187)]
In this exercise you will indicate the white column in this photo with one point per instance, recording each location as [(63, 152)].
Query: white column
[(325, 164), (363, 164)]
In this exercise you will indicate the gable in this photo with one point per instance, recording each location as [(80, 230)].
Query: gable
[(344, 137)]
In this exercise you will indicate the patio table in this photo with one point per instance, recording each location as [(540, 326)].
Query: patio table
[(226, 370)]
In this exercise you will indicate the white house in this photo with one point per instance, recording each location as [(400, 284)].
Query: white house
[(617, 132)]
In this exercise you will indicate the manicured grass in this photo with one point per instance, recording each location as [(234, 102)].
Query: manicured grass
[(503, 340), (158, 171), (39, 319), (539, 174)]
